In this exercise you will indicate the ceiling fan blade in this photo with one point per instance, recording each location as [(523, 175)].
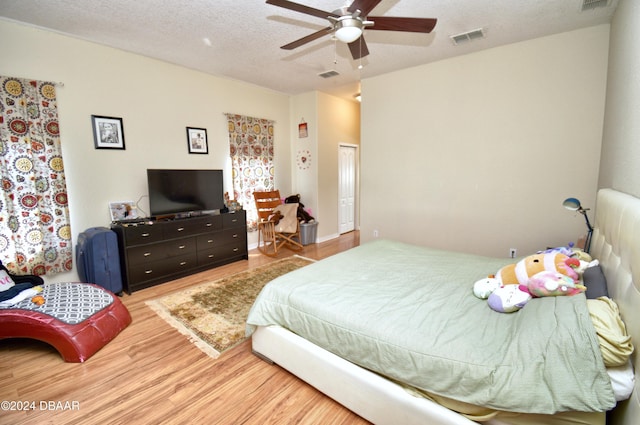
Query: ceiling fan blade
[(358, 48), (390, 23), (307, 39), (302, 8), (364, 6)]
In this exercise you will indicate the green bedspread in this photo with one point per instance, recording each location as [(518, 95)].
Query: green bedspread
[(409, 313)]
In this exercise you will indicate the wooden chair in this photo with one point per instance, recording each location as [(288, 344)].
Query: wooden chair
[(272, 236)]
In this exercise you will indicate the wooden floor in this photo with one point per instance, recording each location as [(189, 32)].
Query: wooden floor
[(151, 373)]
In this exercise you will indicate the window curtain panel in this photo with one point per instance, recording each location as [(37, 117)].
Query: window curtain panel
[(35, 231), (251, 151)]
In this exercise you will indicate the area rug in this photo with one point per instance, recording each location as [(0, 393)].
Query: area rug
[(213, 314)]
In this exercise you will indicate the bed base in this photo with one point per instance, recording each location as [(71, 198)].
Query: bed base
[(374, 398)]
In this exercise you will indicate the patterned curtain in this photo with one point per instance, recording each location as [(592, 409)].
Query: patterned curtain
[(35, 234), (251, 150)]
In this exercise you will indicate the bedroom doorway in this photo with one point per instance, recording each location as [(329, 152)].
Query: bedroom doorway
[(347, 187)]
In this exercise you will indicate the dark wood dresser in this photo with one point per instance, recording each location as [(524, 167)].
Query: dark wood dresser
[(153, 252)]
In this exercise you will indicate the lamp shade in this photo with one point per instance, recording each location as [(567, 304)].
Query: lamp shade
[(348, 30), (571, 204)]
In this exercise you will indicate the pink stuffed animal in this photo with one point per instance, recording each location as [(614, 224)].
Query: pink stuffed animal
[(551, 284)]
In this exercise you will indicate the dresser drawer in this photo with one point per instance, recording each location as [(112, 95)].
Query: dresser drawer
[(177, 229), (209, 240), (145, 254), (146, 233), (232, 248), (211, 255), (233, 236), (207, 223), (237, 219), (159, 269), (180, 247)]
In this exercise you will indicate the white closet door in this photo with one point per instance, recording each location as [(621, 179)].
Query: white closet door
[(347, 188)]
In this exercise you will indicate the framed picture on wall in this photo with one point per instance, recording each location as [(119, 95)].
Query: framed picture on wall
[(107, 132), (197, 140)]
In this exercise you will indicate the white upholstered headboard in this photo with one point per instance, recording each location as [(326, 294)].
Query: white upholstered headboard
[(616, 244)]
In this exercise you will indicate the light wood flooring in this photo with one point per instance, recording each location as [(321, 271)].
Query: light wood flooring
[(152, 374)]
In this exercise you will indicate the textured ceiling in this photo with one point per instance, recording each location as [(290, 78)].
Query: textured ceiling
[(245, 35)]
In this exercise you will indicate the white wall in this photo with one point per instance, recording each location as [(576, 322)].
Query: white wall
[(477, 153), (620, 165), (305, 180), (339, 123), (331, 121), (156, 100)]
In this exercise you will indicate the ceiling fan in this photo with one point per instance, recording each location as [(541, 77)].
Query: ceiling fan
[(347, 24)]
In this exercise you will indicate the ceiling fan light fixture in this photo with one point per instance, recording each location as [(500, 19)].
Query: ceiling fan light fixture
[(348, 29)]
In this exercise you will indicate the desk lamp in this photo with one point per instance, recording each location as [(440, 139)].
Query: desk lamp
[(573, 204)]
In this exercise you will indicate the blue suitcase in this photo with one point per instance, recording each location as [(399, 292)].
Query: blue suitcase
[(98, 258)]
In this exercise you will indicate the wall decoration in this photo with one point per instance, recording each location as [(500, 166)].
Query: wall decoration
[(123, 210), (197, 140), (303, 129), (107, 132), (303, 159)]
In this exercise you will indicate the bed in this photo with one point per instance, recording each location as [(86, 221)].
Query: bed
[(546, 366)]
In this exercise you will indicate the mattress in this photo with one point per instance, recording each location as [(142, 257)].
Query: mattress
[(408, 313)]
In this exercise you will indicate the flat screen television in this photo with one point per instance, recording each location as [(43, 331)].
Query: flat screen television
[(184, 192)]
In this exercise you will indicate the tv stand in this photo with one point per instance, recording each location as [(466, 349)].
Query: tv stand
[(157, 251)]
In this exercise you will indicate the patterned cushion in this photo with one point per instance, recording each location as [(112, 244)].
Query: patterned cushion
[(70, 303)]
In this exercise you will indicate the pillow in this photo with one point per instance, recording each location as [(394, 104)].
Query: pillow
[(5, 280), (622, 380), (593, 278), (289, 222)]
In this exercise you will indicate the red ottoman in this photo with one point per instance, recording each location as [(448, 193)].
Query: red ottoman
[(77, 319)]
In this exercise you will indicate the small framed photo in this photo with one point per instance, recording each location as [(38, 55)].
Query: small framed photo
[(197, 140), (107, 132), (303, 130), (123, 210)]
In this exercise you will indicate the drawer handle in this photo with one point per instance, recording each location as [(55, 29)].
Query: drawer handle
[(209, 224), (235, 235), (182, 247), (180, 229), (148, 271), (235, 220), (146, 254), (145, 235), (210, 256), (210, 241), (236, 249), (184, 263)]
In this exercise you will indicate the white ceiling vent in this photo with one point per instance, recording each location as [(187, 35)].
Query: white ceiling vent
[(328, 74), (593, 4), (468, 36)]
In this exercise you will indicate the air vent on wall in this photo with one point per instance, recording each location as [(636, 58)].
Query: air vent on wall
[(468, 36), (593, 4), (328, 74)]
